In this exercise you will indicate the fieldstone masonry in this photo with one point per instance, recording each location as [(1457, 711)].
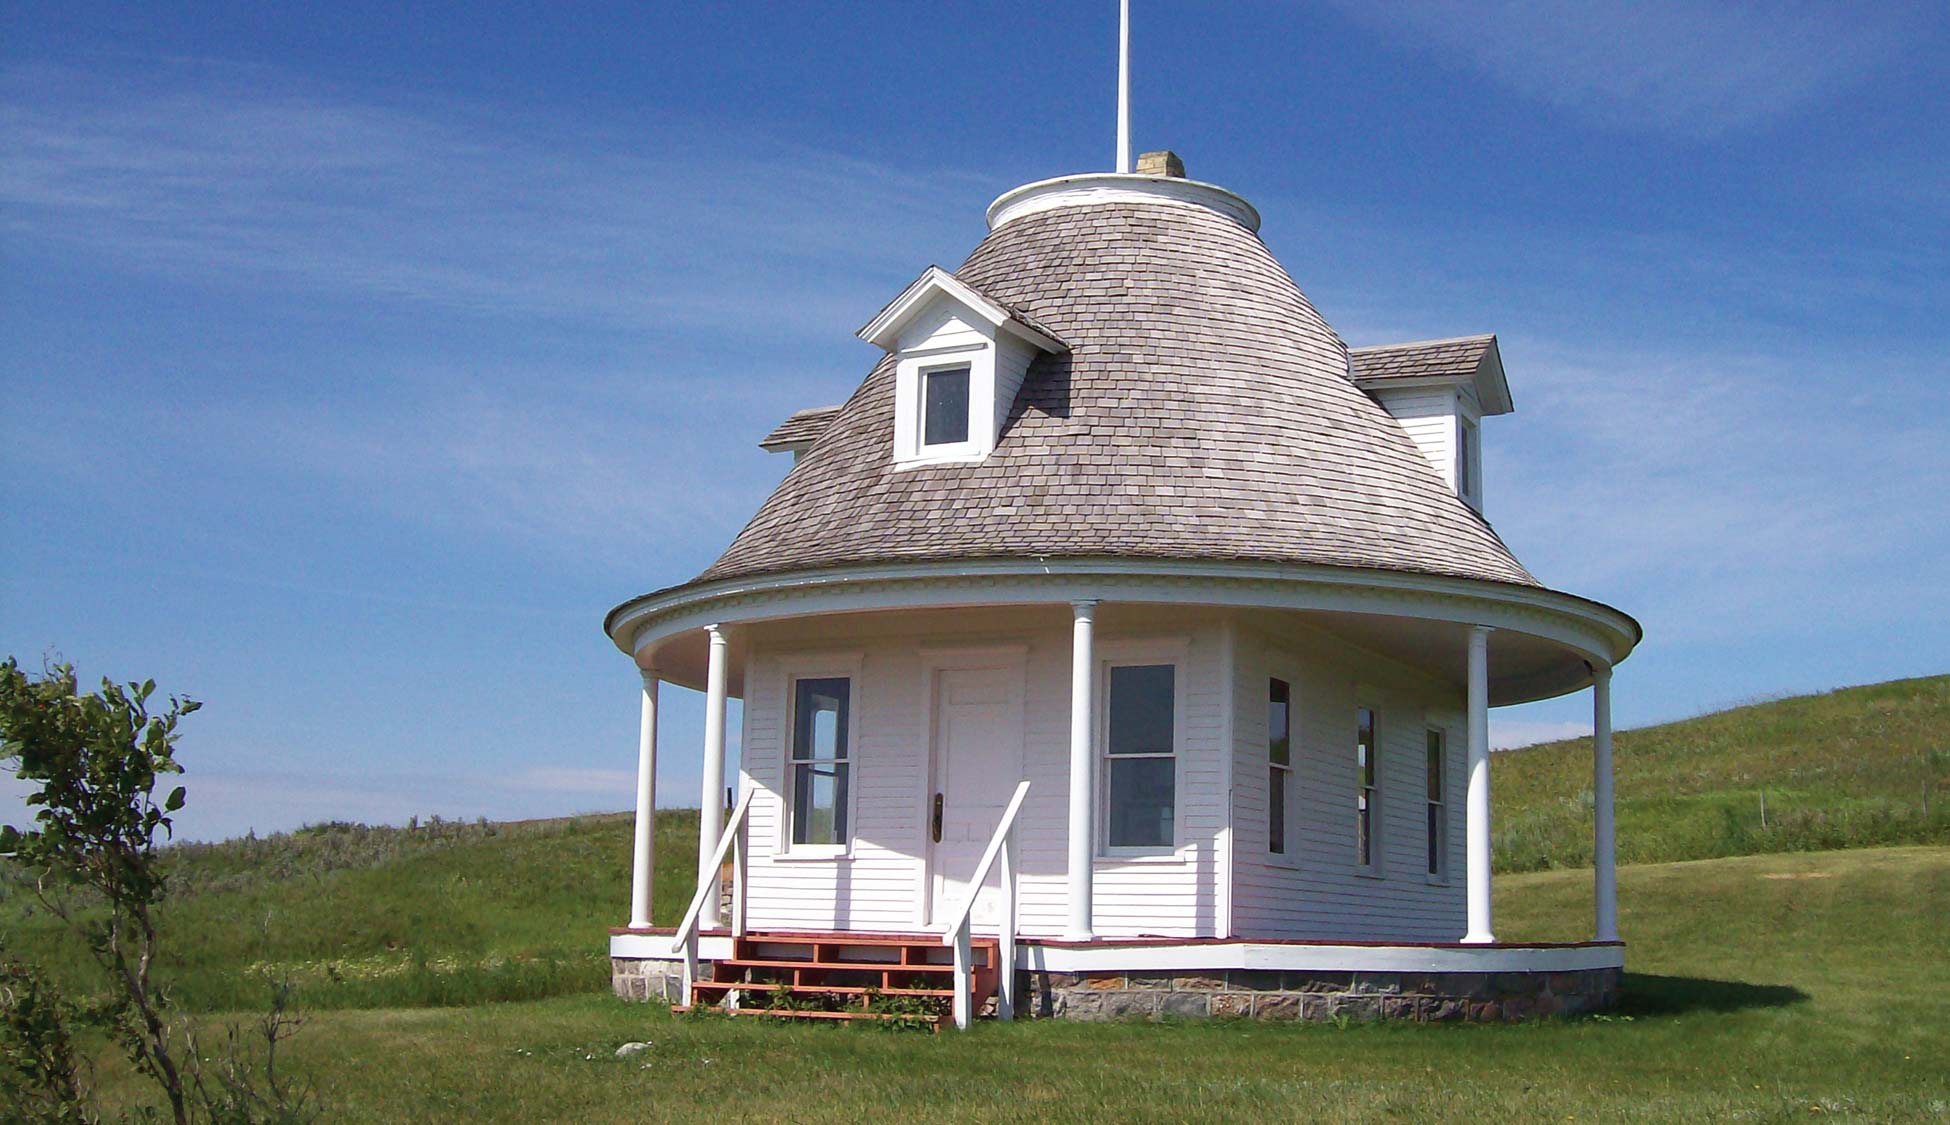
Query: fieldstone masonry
[(635, 979), (1276, 995), (1253, 994)]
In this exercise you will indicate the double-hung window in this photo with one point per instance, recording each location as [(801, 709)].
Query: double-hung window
[(1367, 777), (821, 760), (1438, 809), (1279, 761), (1140, 758)]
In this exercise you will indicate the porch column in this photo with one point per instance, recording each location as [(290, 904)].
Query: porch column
[(1083, 768), (1479, 787), (1604, 858), (710, 810), (646, 805)]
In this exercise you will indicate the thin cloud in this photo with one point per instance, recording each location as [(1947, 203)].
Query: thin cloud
[(227, 177), (1685, 67)]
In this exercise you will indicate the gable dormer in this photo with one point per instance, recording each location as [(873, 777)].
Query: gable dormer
[(959, 359), (1440, 391)]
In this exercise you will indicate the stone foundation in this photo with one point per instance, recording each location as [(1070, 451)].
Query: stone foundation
[(632, 978), (1286, 995)]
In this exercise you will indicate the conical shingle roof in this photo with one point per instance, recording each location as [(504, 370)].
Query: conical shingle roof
[(1203, 411)]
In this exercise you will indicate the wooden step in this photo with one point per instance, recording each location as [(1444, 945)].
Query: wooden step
[(850, 937), (840, 989), (811, 1015), (841, 966), (909, 958)]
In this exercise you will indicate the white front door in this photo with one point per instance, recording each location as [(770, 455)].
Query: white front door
[(976, 762)]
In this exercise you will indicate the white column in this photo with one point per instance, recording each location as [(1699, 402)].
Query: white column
[(646, 805), (1604, 857), (1083, 770), (710, 813), (1479, 787)]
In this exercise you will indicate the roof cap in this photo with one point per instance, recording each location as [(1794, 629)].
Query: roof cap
[(1116, 187)]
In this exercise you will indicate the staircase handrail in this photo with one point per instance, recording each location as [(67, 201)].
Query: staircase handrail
[(1001, 844), (683, 943)]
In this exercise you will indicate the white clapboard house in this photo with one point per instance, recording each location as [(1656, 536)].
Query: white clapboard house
[(1123, 645)]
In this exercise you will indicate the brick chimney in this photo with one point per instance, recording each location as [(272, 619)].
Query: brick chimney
[(1164, 163)]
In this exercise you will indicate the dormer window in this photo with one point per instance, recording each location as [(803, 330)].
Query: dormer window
[(944, 400), (959, 359), (1439, 390)]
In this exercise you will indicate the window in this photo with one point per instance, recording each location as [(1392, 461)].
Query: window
[(1366, 775), (1139, 756), (1279, 761), (1465, 458), (820, 760), (1438, 814), (944, 406)]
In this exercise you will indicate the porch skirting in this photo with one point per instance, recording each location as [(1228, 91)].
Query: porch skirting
[(1269, 994)]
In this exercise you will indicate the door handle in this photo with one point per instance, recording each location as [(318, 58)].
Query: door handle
[(934, 821)]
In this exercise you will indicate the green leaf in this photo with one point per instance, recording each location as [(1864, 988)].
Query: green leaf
[(175, 800)]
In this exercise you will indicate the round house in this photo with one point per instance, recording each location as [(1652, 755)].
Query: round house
[(1123, 645)]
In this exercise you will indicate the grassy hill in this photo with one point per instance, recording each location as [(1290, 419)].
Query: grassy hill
[(1859, 767), (441, 913), (453, 913)]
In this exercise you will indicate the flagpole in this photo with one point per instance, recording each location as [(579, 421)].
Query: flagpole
[(1124, 86)]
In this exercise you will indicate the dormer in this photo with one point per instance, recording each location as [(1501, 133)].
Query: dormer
[(796, 434), (960, 357), (1440, 391)]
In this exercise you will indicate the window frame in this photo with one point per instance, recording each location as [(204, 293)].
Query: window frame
[(1368, 789), (1140, 656), (1436, 805), (911, 372), (1279, 778), (925, 375), (833, 667)]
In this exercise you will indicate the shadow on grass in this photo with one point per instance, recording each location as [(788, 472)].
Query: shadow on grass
[(1649, 995)]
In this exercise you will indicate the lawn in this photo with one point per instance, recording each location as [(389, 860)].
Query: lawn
[(1765, 988)]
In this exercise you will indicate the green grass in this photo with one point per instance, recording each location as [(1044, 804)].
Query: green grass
[(1860, 767), (455, 970), (1773, 988), (442, 914)]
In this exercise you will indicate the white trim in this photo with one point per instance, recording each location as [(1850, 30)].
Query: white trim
[(808, 666), (1214, 956), (656, 947), (1140, 653), (1114, 187), (1591, 630), (883, 331)]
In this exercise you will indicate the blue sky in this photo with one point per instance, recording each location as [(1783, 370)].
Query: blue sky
[(357, 358)]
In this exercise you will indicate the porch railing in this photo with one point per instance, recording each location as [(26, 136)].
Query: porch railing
[(684, 941), (1002, 845)]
